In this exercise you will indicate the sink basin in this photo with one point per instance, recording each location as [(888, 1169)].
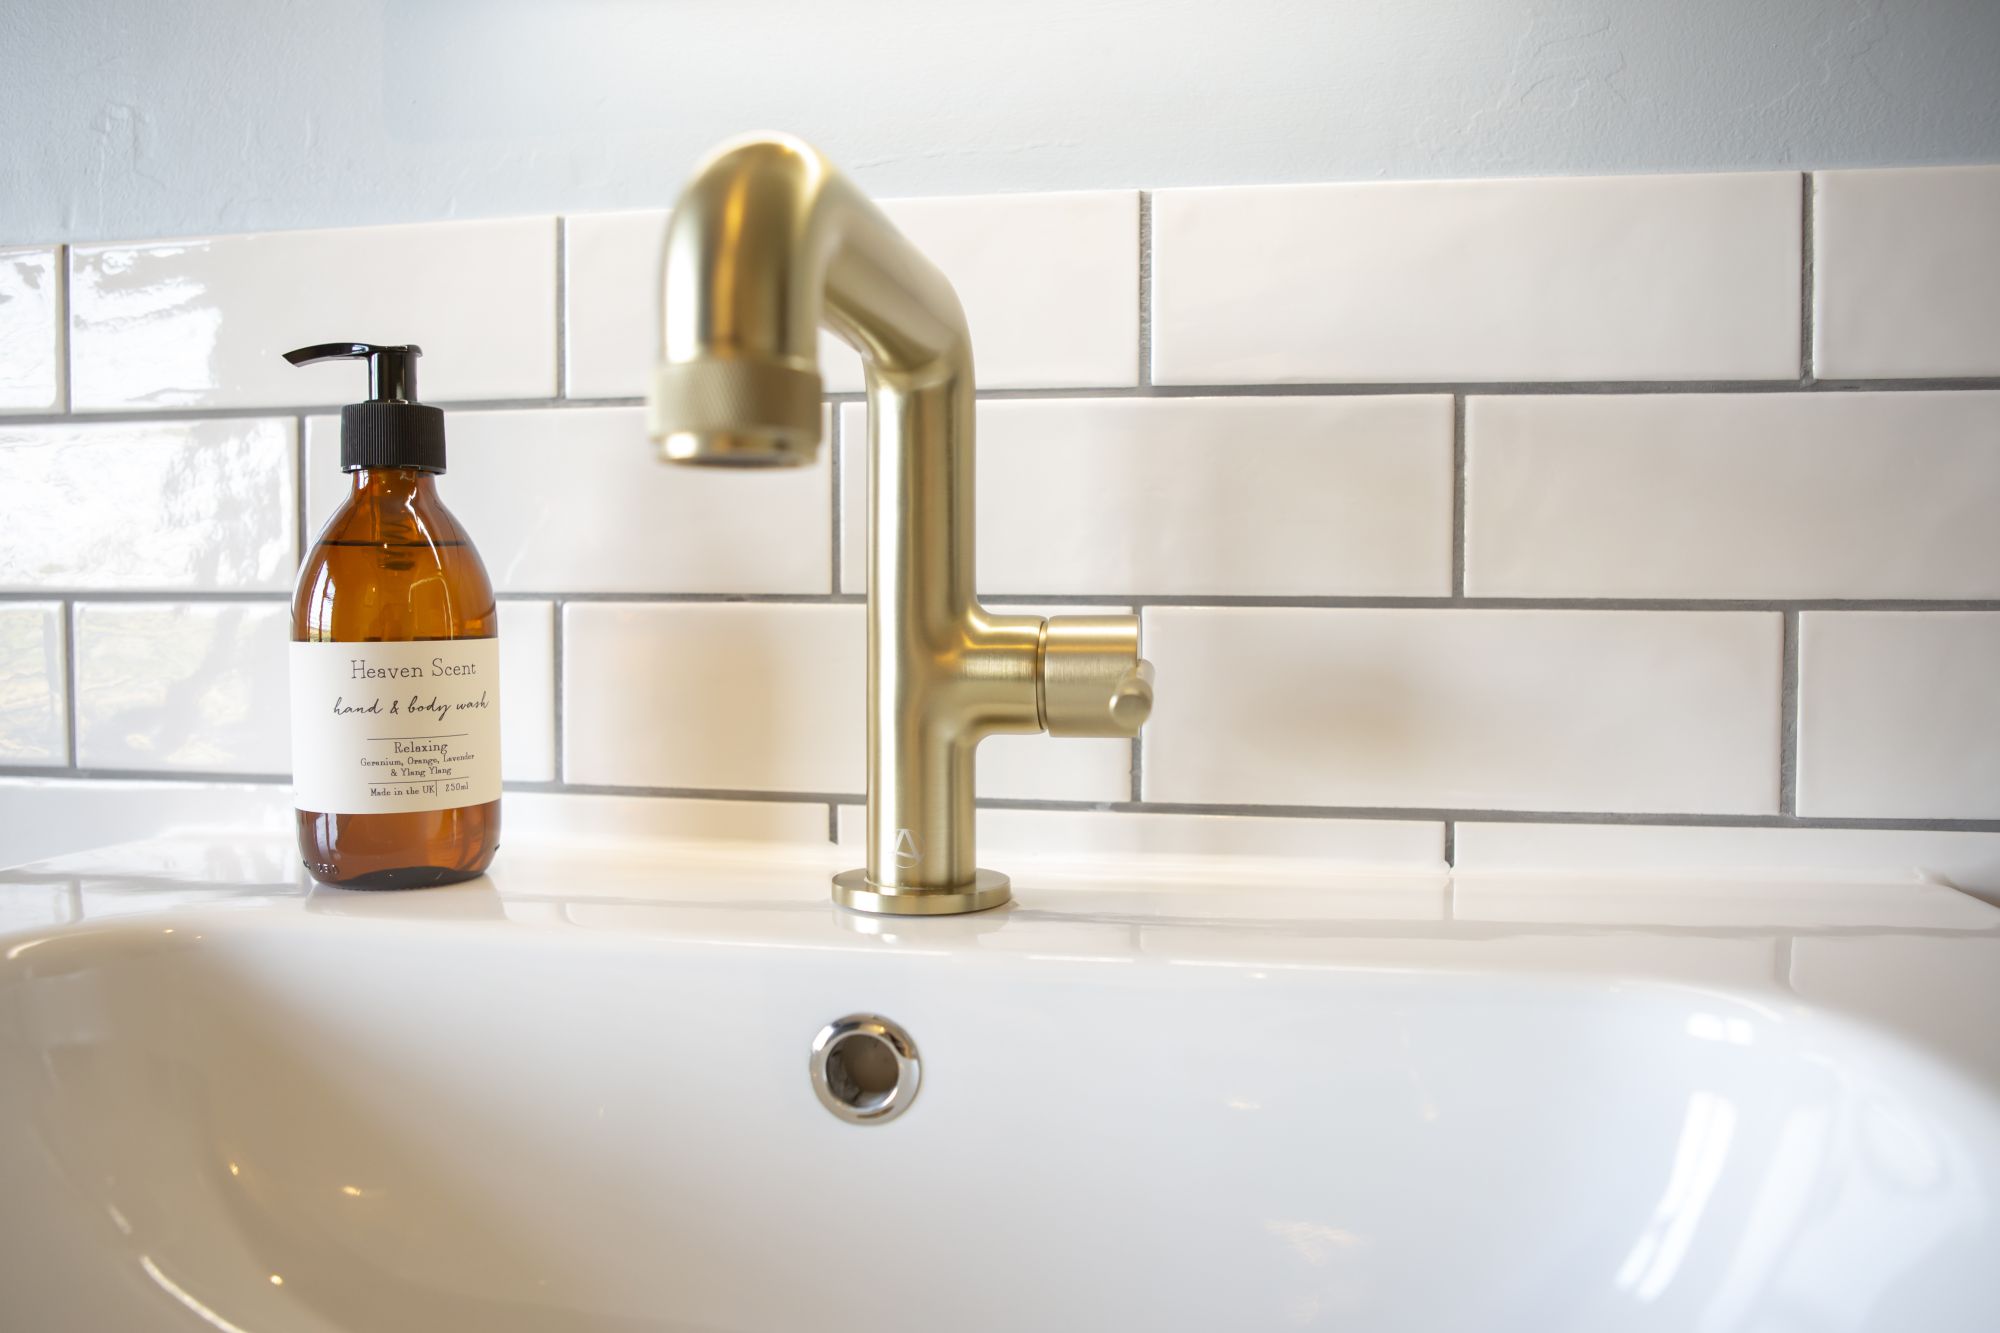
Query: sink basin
[(575, 1096)]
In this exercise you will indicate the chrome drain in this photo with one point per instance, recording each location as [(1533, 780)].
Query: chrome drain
[(865, 1069)]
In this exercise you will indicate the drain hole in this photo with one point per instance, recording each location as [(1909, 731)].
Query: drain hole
[(865, 1069), (861, 1071)]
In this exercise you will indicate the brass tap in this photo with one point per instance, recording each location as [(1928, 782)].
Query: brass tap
[(768, 243)]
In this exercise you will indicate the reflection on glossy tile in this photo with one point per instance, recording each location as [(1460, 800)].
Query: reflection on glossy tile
[(1899, 717), (1906, 273), (180, 505), (1551, 710), (602, 513), (203, 322), (1852, 495), (34, 708), (35, 906), (1614, 278), (183, 686), (1050, 285), (728, 697), (30, 317), (528, 691), (1969, 860), (1191, 496)]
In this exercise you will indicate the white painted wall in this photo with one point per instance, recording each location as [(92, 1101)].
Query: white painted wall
[(130, 118)]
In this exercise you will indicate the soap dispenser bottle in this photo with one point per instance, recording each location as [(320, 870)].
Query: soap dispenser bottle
[(395, 662)]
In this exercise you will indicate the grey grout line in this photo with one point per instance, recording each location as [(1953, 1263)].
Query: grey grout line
[(84, 773), (1458, 497), (1388, 813), (836, 443), (299, 461), (65, 389), (1566, 817), (676, 598), (832, 822), (1137, 601), (1479, 388), (273, 596), (687, 793), (1145, 288), (1788, 717), (561, 708), (563, 307), (1808, 278), (1451, 843), (69, 683)]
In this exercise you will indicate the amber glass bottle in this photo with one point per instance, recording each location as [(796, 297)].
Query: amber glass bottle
[(395, 694)]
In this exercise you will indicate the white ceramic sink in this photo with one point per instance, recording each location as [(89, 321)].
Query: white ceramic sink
[(575, 1097)]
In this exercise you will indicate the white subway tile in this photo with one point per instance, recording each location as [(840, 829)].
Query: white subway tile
[(528, 691), (1906, 273), (179, 505), (571, 817), (44, 817), (719, 696), (183, 686), (1850, 495), (31, 369), (1049, 282), (1253, 496), (1819, 855), (203, 322), (1551, 710), (1050, 285), (1608, 278), (34, 690), (577, 500), (1899, 714), (611, 302)]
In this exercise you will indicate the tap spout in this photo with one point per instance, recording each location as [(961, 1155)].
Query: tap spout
[(768, 243)]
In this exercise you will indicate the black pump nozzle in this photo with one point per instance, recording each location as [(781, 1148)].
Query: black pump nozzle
[(392, 371), (391, 429)]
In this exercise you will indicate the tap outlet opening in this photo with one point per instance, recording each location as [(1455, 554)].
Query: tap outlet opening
[(737, 449), (735, 412)]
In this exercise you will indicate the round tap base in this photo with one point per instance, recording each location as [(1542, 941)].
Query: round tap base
[(989, 889)]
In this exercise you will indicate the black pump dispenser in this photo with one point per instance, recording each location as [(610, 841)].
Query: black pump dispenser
[(391, 429)]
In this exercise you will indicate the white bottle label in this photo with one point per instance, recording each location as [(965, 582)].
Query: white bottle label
[(379, 728)]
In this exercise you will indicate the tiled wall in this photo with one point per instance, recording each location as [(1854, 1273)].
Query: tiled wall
[(1515, 522)]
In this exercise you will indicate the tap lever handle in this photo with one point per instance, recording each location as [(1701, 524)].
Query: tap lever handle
[(1090, 678), (1132, 697)]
